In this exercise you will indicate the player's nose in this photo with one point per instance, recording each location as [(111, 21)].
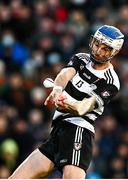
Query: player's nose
[(99, 52)]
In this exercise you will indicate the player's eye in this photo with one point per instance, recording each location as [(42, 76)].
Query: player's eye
[(96, 43), (108, 49)]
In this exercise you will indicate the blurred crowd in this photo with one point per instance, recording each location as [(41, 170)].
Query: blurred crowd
[(37, 38)]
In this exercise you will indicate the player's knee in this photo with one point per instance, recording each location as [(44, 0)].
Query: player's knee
[(73, 172)]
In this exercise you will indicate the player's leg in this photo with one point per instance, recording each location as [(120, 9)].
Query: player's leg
[(73, 172), (35, 166), (75, 150)]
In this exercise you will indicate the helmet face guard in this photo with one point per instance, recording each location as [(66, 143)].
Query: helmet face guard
[(110, 36), (96, 60)]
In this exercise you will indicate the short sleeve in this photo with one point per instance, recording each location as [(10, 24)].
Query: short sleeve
[(108, 93), (104, 92), (74, 62)]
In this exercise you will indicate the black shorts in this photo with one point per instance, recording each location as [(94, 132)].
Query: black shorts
[(69, 144)]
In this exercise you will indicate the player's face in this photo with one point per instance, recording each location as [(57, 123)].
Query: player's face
[(101, 51)]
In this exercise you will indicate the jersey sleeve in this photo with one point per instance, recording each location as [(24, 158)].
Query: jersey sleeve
[(104, 92), (74, 62), (108, 92)]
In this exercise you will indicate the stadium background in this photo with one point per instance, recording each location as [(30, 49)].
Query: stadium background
[(37, 38)]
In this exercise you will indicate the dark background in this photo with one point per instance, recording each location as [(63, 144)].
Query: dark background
[(37, 38)]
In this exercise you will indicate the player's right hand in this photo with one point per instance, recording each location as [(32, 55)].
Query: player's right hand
[(56, 97)]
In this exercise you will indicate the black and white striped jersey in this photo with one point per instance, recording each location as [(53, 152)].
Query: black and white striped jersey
[(104, 84)]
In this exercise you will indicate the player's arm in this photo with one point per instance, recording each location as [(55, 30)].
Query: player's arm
[(72, 105), (60, 82), (65, 75), (62, 79), (80, 107)]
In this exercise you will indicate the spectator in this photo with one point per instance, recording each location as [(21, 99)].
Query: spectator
[(37, 38)]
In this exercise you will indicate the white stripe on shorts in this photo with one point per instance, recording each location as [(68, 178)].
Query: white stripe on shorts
[(78, 139)]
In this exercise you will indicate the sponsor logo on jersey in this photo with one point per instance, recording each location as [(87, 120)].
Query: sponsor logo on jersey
[(88, 77), (105, 94), (77, 146)]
